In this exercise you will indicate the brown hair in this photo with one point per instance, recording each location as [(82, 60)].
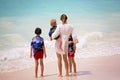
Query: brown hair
[(53, 22), (38, 31), (63, 18)]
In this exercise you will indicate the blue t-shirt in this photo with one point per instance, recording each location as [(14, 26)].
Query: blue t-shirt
[(52, 30), (37, 43)]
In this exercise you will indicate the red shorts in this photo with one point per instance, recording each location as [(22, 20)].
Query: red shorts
[(71, 54), (38, 55)]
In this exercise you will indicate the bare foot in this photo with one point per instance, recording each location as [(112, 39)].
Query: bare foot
[(67, 75), (70, 72), (75, 73), (59, 75), (41, 75), (35, 76)]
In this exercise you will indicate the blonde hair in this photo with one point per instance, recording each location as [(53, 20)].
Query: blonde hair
[(53, 22)]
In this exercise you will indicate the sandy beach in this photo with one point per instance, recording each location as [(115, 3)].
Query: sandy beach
[(94, 68)]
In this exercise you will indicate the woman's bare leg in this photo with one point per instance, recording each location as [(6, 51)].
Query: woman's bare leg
[(66, 64), (59, 64)]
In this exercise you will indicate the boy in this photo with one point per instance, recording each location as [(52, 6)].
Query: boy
[(71, 54), (38, 48)]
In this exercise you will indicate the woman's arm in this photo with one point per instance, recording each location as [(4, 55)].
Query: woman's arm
[(56, 33)]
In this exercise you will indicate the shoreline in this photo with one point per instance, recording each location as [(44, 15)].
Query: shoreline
[(93, 68)]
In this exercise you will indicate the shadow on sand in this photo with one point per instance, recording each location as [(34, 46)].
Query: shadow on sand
[(80, 73), (50, 75)]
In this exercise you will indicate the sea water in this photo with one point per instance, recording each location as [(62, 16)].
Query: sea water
[(15, 54), (15, 42)]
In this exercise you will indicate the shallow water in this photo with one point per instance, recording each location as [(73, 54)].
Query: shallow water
[(14, 52)]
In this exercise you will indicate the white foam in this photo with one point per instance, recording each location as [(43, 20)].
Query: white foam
[(16, 58), (90, 45), (98, 45), (88, 37)]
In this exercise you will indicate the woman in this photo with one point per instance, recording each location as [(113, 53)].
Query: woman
[(64, 30)]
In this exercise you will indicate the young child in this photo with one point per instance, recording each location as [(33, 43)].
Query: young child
[(38, 48), (52, 30), (71, 54)]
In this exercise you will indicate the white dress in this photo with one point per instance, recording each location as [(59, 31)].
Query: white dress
[(64, 30)]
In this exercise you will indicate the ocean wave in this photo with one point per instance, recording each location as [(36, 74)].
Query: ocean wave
[(11, 40), (89, 37), (90, 45)]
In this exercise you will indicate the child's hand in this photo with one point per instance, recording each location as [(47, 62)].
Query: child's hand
[(45, 55), (51, 38), (30, 55), (71, 53), (70, 42), (74, 51)]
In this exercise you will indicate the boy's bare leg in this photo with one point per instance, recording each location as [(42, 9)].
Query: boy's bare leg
[(59, 64), (42, 67), (36, 68), (70, 65), (66, 64), (74, 64)]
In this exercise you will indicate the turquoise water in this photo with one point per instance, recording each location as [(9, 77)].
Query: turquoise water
[(96, 23), (21, 17)]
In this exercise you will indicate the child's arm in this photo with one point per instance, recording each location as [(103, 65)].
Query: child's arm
[(31, 48), (44, 51), (74, 47)]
